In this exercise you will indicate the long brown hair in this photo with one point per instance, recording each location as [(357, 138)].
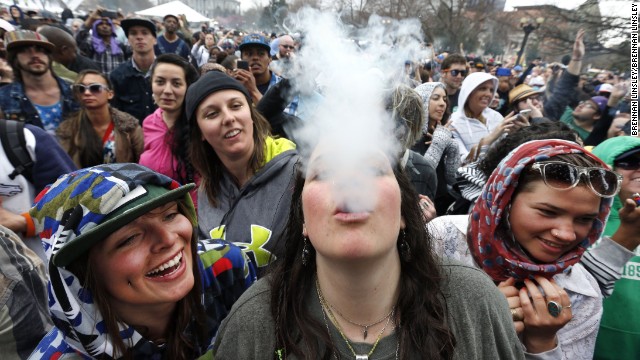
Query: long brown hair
[(84, 138), (209, 165), (189, 309), (421, 305)]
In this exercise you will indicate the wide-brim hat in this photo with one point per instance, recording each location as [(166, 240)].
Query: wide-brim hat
[(129, 23), (21, 38), (84, 207), (521, 92)]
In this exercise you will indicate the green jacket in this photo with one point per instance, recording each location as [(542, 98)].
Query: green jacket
[(619, 335)]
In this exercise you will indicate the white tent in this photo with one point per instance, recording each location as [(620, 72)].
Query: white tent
[(174, 8)]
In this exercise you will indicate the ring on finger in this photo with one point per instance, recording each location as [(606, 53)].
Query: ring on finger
[(554, 308), (515, 316), (568, 306)]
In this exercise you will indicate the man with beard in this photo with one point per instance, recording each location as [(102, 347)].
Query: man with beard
[(584, 116), (169, 42), (37, 96), (131, 80)]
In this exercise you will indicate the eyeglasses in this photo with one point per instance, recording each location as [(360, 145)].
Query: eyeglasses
[(560, 175), (588, 103), (290, 47), (631, 164), (93, 88), (456, 72)]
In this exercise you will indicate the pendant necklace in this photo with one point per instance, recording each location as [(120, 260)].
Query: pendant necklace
[(326, 309), (365, 328)]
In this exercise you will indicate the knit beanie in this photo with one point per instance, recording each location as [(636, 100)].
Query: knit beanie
[(208, 84)]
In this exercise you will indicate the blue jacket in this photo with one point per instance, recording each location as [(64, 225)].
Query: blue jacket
[(15, 104), (132, 91)]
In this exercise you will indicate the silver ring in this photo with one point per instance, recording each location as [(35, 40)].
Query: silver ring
[(554, 308)]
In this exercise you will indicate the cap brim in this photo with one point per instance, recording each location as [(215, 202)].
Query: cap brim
[(264, 46), (628, 153), (81, 244)]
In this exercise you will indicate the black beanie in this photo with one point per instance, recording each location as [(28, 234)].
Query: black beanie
[(208, 84)]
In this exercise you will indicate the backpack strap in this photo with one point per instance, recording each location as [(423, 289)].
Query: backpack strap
[(15, 147)]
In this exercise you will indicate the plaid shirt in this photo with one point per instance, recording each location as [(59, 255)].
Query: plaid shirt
[(23, 298), (108, 61)]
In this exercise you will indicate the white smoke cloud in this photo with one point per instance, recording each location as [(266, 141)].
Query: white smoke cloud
[(353, 81)]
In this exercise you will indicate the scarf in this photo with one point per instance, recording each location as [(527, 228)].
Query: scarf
[(98, 43), (498, 256)]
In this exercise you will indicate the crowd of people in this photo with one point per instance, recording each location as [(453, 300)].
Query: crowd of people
[(162, 197)]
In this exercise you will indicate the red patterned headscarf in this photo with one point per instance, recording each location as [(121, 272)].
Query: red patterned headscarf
[(500, 257)]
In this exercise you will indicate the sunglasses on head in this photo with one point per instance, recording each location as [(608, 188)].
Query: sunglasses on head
[(630, 164), (560, 175), (93, 88), (456, 72)]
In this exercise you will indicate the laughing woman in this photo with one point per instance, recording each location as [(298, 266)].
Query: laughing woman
[(128, 278), (540, 209)]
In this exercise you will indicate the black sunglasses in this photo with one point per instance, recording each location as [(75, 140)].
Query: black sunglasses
[(456, 72), (288, 47), (93, 88)]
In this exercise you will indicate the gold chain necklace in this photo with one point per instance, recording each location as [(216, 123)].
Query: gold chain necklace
[(326, 308)]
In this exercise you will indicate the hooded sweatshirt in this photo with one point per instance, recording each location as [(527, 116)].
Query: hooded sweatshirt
[(254, 216), (619, 335), (469, 131), (79, 329)]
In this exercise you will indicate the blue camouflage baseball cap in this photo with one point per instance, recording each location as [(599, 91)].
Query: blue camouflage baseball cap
[(83, 207)]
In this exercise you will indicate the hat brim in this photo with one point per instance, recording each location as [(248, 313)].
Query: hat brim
[(627, 154), (23, 43), (129, 23), (525, 94), (75, 248)]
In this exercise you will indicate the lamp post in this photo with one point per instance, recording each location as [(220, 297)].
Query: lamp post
[(527, 25)]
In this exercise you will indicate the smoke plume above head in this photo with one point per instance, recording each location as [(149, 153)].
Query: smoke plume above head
[(346, 76)]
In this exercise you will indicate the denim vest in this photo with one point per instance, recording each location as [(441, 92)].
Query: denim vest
[(15, 104)]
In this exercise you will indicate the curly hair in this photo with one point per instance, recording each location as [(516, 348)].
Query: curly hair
[(540, 131), (421, 305)]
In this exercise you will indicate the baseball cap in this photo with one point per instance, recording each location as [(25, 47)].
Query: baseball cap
[(83, 207), (255, 40), (606, 88), (129, 23), (629, 153), (21, 38), (517, 68), (601, 102)]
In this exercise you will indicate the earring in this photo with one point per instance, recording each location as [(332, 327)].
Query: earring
[(305, 252), (405, 249)]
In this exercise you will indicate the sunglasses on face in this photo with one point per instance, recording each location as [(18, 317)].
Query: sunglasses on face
[(631, 164), (457, 72), (290, 47), (93, 88), (560, 175)]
